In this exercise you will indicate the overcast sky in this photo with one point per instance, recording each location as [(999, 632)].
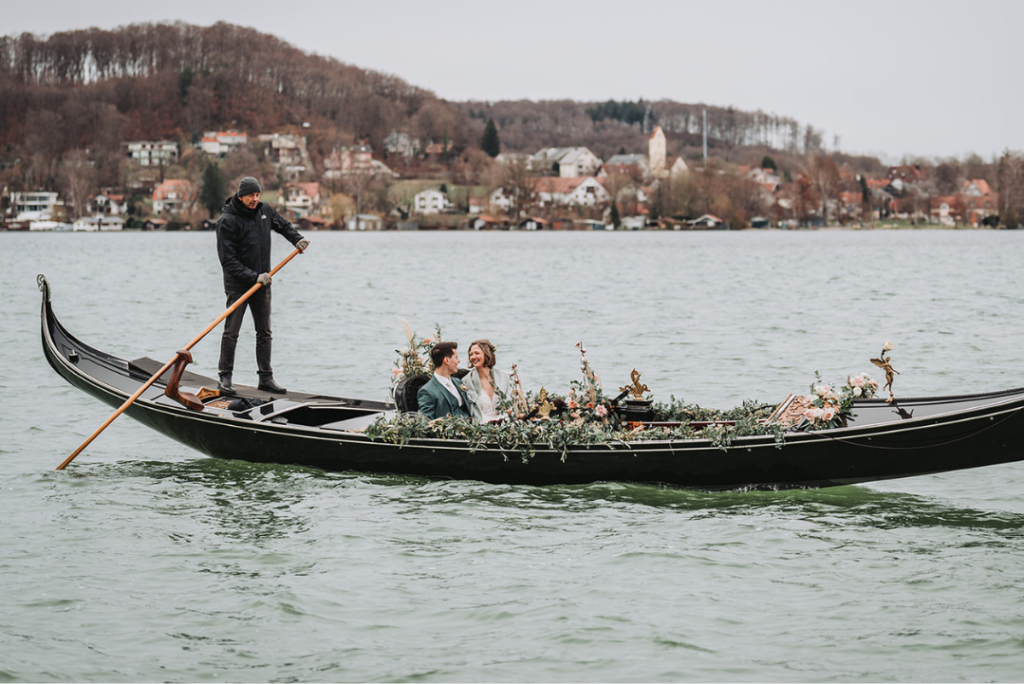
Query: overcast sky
[(933, 78)]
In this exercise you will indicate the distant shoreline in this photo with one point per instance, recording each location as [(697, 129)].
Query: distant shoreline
[(851, 227)]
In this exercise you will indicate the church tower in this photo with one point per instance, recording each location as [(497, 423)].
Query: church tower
[(656, 152)]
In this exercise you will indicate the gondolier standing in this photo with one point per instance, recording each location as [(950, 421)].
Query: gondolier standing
[(243, 245)]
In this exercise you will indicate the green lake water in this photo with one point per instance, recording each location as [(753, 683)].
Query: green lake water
[(146, 561)]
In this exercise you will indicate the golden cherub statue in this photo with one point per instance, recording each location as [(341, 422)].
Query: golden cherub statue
[(636, 389), (886, 366)]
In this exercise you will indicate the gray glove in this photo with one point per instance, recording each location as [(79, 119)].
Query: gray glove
[(263, 279), (302, 244)]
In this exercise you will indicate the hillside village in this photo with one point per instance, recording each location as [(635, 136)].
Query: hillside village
[(150, 126), (409, 186)]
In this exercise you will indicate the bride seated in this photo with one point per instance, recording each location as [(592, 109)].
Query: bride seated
[(485, 385)]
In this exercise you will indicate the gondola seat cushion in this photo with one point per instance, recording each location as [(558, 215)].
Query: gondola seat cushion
[(405, 394)]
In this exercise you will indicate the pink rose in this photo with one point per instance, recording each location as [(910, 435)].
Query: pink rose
[(601, 411), (814, 414)]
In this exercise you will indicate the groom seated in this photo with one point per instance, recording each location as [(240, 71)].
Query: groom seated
[(441, 396)]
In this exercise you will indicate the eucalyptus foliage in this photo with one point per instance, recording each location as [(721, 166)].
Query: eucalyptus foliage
[(567, 428)]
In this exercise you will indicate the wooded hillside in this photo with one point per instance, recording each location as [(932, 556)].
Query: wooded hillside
[(94, 89)]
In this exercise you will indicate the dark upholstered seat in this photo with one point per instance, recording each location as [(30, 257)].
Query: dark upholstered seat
[(405, 394)]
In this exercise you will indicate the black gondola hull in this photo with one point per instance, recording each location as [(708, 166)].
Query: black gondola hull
[(949, 433)]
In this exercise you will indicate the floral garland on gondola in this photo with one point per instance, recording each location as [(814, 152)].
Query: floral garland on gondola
[(586, 416), (595, 425)]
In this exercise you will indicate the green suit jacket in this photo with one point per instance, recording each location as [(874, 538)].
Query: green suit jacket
[(435, 401)]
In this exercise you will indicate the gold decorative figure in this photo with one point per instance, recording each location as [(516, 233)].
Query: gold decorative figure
[(636, 389), (544, 407), (885, 365)]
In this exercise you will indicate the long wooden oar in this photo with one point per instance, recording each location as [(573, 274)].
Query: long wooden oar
[(170, 363)]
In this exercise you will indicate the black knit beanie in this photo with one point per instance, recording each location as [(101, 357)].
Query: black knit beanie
[(248, 185)]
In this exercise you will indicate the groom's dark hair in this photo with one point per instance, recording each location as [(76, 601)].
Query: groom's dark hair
[(441, 351)]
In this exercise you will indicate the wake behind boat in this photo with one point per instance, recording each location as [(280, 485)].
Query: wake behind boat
[(879, 441)]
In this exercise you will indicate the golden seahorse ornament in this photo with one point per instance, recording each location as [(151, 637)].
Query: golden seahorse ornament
[(636, 389)]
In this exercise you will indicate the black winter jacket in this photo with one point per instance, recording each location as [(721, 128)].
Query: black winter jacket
[(243, 242)]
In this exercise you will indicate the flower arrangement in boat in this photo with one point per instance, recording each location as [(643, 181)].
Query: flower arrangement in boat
[(860, 386), (414, 359), (595, 405), (830, 408), (825, 404)]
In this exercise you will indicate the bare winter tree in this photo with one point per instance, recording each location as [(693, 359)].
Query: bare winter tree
[(622, 188), (747, 199), (976, 167), (357, 185), (77, 180), (827, 182), (947, 177), (1010, 184), (519, 184)]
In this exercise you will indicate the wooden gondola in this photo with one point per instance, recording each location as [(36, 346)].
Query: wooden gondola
[(880, 441)]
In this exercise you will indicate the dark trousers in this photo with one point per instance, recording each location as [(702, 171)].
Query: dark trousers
[(259, 303)]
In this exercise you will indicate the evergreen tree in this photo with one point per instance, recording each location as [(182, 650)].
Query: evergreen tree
[(490, 143), (768, 163), (614, 217), (215, 189), (185, 82)]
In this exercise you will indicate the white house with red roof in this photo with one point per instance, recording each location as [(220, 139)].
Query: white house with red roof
[(221, 142), (108, 204), (976, 188), (584, 191), (979, 199), (301, 198), (173, 196)]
